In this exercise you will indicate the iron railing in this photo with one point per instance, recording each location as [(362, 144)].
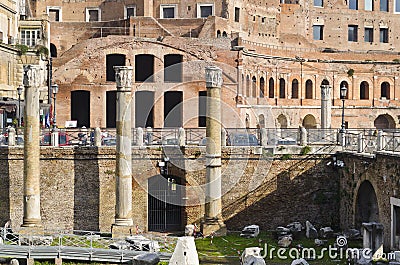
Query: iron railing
[(83, 245)]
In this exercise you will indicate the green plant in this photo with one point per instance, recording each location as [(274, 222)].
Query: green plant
[(396, 60), (305, 150), (22, 49), (42, 50), (350, 72), (286, 156)]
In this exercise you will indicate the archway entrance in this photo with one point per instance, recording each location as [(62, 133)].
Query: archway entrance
[(165, 203), (384, 121), (309, 122), (366, 205)]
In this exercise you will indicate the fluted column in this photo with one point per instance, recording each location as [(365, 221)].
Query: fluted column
[(213, 218), (326, 106), (32, 81), (123, 170)]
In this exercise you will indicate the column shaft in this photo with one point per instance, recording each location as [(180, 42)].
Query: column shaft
[(123, 171), (326, 106), (31, 147)]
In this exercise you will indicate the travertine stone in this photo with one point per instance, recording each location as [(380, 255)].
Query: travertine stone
[(123, 170), (32, 215)]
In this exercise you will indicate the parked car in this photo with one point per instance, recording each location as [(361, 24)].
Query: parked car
[(242, 139), (63, 139), (109, 141)]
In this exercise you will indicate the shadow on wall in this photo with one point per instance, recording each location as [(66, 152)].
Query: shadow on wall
[(296, 195), (4, 188), (86, 190)]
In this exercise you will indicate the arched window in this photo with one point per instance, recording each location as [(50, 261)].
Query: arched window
[(271, 88), (218, 34), (254, 87), (344, 84), (224, 35), (295, 88), (262, 87), (385, 90), (282, 85), (53, 50), (364, 90), (309, 89), (309, 122)]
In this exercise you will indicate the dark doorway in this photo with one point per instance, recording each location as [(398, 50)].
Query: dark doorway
[(80, 107), (173, 109), (144, 109), (384, 121), (366, 205), (111, 61), (202, 108), (144, 68), (111, 109), (164, 203), (53, 50), (173, 68)]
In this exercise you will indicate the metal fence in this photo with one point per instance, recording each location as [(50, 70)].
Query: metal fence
[(357, 140), (83, 245)]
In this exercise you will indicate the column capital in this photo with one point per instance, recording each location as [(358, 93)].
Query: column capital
[(325, 92), (123, 76), (213, 77), (32, 77)]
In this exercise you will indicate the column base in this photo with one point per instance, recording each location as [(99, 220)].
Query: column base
[(121, 231), (31, 230), (214, 225)]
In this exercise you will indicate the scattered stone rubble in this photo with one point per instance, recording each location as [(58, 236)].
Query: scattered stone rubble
[(139, 243)]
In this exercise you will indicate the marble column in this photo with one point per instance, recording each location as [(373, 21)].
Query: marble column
[(213, 219), (326, 106), (123, 170), (32, 81)]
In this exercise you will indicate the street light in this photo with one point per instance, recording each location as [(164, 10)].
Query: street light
[(343, 93), (19, 89), (55, 91)]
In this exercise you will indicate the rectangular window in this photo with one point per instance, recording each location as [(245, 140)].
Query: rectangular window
[(369, 35), (319, 3), (54, 13), (202, 108), (93, 14), (369, 5), (30, 37), (205, 10), (353, 4), (130, 11), (318, 32), (168, 11), (397, 6), (237, 14), (384, 5), (352, 33), (383, 35)]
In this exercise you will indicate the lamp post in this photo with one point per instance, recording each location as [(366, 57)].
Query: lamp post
[(343, 93), (55, 91), (19, 89)]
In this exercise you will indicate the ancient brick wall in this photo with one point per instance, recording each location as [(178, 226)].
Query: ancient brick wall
[(382, 171), (78, 187)]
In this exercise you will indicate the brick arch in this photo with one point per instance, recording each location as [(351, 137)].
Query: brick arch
[(370, 185), (116, 50)]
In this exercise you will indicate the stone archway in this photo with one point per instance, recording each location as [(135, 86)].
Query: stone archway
[(366, 209), (309, 122), (384, 121), (282, 121)]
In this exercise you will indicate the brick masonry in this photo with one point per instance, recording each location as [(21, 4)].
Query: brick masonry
[(78, 187)]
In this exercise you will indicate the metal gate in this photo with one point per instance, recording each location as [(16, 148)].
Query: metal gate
[(164, 203)]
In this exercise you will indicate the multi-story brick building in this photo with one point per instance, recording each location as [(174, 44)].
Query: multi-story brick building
[(22, 41), (275, 56)]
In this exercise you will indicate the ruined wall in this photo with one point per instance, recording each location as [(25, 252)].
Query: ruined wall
[(78, 187), (382, 171)]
